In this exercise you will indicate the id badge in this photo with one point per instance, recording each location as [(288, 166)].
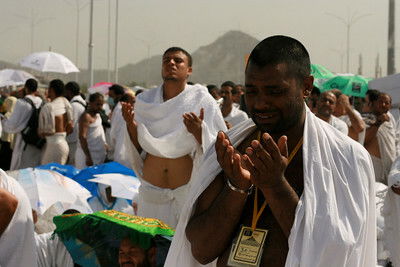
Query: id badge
[(247, 248)]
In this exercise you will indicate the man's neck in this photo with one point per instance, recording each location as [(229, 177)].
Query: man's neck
[(324, 118), (172, 88), (227, 106), (293, 135)]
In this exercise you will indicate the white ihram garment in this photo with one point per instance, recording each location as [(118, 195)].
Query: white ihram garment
[(24, 155), (339, 125), (17, 243), (56, 148), (162, 133), (78, 107), (391, 213), (386, 136), (96, 140), (117, 131), (236, 116), (335, 218)]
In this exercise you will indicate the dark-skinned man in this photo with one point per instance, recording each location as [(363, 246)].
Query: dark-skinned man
[(284, 190)]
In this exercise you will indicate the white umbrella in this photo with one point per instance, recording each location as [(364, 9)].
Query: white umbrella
[(122, 186), (10, 77), (46, 188), (49, 62)]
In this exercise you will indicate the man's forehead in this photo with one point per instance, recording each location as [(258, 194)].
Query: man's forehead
[(172, 54), (274, 73)]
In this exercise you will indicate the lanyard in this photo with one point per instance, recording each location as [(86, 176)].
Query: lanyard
[(256, 213)]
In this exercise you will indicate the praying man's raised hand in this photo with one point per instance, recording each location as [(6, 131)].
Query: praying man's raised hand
[(193, 124)]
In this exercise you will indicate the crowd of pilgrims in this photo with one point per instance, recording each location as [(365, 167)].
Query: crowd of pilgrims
[(95, 125)]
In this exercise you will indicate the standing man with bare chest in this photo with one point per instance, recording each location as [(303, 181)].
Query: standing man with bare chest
[(281, 189), (171, 126)]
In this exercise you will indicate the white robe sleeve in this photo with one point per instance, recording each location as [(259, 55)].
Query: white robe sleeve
[(19, 118)]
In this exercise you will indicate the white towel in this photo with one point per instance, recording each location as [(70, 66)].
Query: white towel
[(58, 106), (161, 131), (335, 217)]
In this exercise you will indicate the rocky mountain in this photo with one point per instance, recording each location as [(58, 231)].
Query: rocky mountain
[(222, 60)]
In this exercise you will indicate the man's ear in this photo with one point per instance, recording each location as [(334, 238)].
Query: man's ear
[(308, 86)]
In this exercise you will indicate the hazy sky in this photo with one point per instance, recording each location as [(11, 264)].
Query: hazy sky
[(154, 25)]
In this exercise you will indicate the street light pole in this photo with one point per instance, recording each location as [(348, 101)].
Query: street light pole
[(109, 43), (348, 23), (116, 43), (91, 45)]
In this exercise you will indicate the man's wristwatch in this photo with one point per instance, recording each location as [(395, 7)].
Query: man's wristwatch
[(234, 188)]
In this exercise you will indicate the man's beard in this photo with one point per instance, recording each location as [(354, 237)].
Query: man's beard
[(285, 123)]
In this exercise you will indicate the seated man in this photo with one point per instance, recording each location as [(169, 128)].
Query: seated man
[(286, 190)]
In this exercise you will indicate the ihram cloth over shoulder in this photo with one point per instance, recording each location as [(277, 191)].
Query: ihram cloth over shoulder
[(335, 217), (161, 131)]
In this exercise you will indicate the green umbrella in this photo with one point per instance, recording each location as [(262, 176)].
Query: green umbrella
[(93, 239), (352, 85), (320, 72)]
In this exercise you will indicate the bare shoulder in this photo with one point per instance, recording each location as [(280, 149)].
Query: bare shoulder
[(8, 206)]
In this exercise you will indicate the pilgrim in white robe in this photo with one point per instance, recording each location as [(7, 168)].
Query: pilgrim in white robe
[(236, 116), (24, 155), (335, 222), (96, 140), (391, 213), (162, 133), (117, 131), (17, 243), (78, 107), (56, 148), (386, 136)]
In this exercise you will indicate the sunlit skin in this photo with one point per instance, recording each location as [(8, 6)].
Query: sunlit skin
[(326, 105), (131, 255)]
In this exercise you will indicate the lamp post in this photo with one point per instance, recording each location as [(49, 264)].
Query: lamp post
[(348, 23), (116, 43), (91, 45)]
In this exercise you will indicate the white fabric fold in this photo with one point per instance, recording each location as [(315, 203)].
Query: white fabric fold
[(391, 213), (96, 141), (17, 243), (335, 217), (386, 136), (49, 111), (161, 131)]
